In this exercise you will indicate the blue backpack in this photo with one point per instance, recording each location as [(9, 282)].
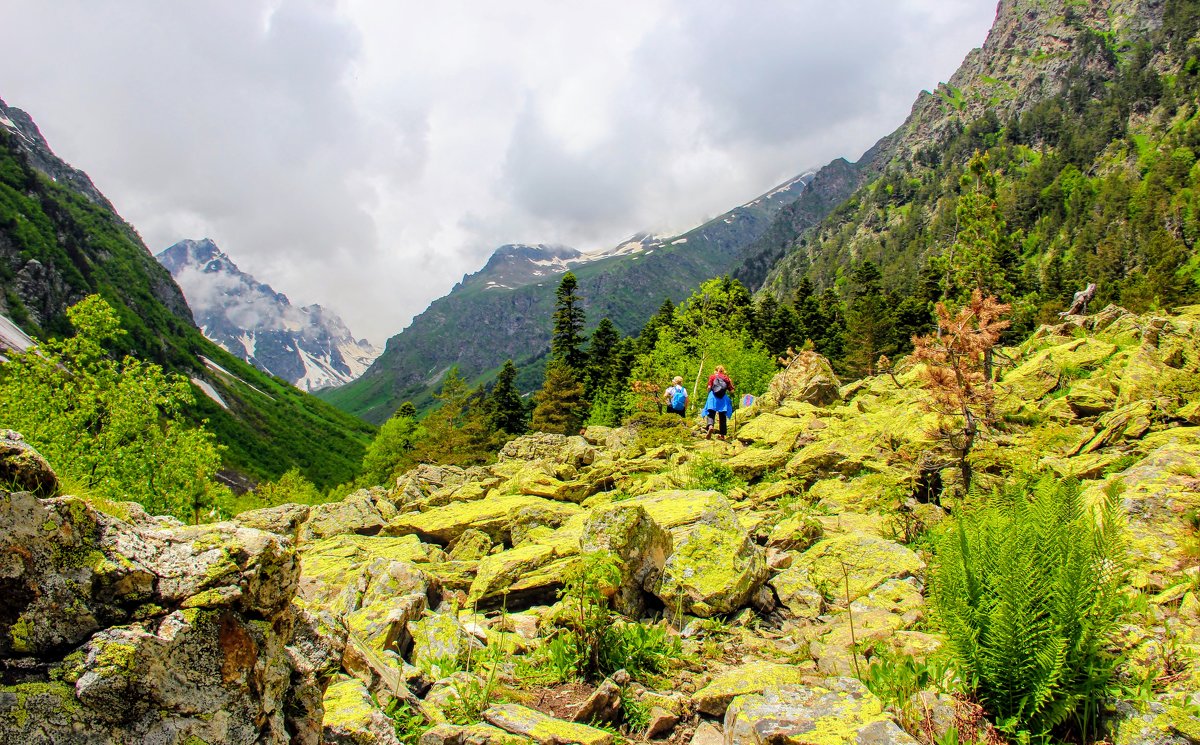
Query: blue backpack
[(679, 399)]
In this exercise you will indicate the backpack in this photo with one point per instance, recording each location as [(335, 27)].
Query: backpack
[(719, 386), (679, 398)]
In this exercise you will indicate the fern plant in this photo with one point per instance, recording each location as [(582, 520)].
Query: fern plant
[(1028, 591)]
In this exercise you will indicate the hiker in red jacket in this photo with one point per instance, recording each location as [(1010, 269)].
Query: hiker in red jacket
[(720, 400)]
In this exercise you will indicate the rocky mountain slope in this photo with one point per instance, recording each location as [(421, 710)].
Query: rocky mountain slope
[(1058, 88), (503, 311), (61, 240), (432, 604), (309, 347)]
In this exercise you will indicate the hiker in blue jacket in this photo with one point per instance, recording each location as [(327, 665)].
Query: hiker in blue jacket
[(677, 397), (720, 401)]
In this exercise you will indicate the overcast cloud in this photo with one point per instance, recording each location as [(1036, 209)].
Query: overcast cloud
[(365, 154)]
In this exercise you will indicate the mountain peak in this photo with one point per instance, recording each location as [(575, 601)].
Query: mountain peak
[(309, 347)]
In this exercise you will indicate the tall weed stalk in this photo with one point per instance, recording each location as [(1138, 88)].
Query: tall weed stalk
[(1028, 591)]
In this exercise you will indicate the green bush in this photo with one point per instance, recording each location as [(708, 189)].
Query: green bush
[(1028, 591), (113, 429)]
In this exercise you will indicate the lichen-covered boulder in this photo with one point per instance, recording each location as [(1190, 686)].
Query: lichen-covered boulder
[(771, 429), (1047, 368), (519, 576), (474, 734), (472, 545), (358, 513), (22, 468), (753, 677), (642, 546), (543, 729), (795, 533), (809, 379), (678, 510), (1154, 723), (797, 593), (144, 630), (861, 562), (330, 565), (351, 717), (1090, 400), (753, 462), (711, 571), (839, 711), (440, 643), (493, 516), (283, 519), (417, 484), (574, 450)]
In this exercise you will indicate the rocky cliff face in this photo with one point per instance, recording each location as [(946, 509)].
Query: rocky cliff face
[(44, 281), (122, 627), (310, 347)]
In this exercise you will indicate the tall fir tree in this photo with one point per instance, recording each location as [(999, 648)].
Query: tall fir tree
[(602, 361), (560, 406), (870, 319), (566, 340), (507, 409)]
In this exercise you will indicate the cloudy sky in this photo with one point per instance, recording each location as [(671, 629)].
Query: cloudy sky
[(365, 154)]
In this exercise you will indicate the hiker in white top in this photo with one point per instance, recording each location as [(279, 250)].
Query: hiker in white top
[(676, 396)]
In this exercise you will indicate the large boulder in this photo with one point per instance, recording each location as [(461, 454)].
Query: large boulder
[(855, 565), (145, 630), (358, 513), (808, 379), (642, 546), (572, 451), (493, 516), (22, 468), (752, 677), (351, 717), (839, 711), (543, 729), (711, 571)]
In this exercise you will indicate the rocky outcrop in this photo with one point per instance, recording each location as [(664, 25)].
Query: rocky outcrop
[(22, 468), (121, 627)]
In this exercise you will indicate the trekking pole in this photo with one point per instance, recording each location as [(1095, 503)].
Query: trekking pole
[(698, 374)]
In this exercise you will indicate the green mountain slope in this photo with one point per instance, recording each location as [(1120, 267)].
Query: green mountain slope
[(480, 323), (61, 240), (1086, 114)]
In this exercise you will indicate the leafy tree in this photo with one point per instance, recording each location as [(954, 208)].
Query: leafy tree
[(114, 429), (566, 340), (560, 406), (956, 374), (722, 303), (391, 452), (507, 409)]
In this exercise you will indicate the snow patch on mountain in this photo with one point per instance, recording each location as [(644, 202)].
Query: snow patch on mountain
[(310, 347)]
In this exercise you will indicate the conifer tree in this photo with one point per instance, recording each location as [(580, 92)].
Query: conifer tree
[(566, 340), (981, 256), (960, 390), (663, 319), (560, 406), (507, 409), (870, 319), (602, 358)]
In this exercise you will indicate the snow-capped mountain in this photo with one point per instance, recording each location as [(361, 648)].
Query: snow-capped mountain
[(308, 346)]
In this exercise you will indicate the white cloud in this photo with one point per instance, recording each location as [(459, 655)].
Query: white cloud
[(366, 154)]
